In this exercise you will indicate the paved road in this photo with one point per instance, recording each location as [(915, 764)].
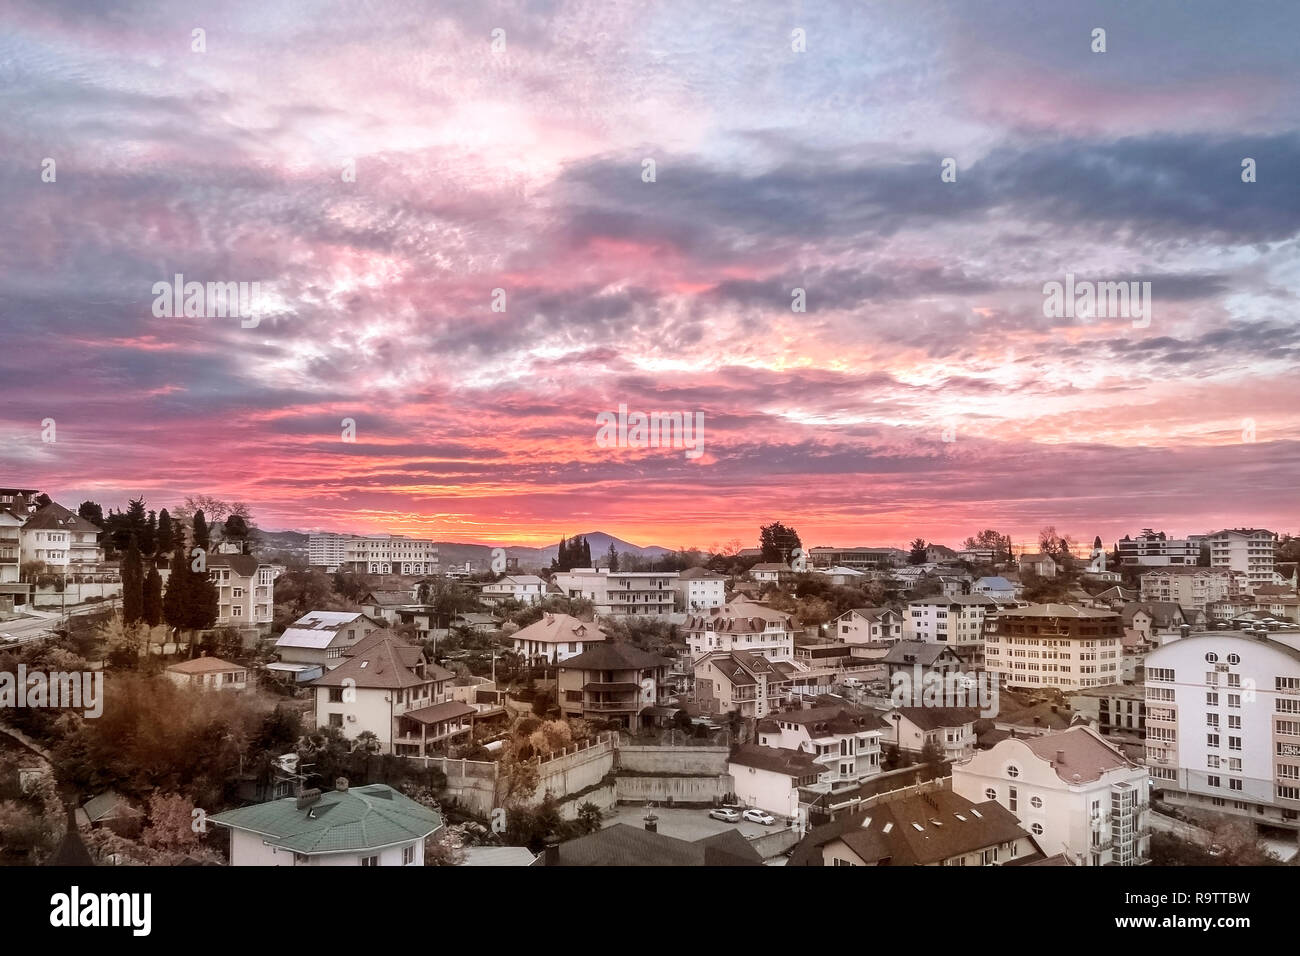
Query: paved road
[(39, 624)]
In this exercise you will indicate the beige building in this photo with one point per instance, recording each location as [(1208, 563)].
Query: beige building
[(1192, 587), (869, 625), (742, 625), (208, 673), (1249, 551), (245, 590), (636, 593), (556, 637), (1055, 645)]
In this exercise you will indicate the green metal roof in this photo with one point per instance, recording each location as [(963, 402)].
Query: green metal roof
[(360, 818)]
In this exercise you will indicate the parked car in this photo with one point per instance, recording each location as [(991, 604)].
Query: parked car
[(852, 682), (7, 637), (725, 815), (758, 816)]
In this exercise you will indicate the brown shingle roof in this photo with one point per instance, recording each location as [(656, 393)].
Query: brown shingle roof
[(1085, 754)]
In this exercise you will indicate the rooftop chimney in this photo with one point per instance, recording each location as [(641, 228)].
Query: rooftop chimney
[(307, 798), (1185, 630), (651, 823), (1060, 756), (341, 784), (551, 855)]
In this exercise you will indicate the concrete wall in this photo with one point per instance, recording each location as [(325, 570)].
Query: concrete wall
[(570, 772), (702, 791), (673, 760), (75, 594), (471, 783)]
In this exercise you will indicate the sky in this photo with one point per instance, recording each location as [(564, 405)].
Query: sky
[(380, 168)]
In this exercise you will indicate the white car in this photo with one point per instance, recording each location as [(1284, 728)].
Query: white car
[(758, 816), (725, 815), (7, 637)]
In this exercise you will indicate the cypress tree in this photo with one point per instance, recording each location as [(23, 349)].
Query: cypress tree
[(153, 600), (175, 600), (163, 544), (132, 584), (201, 537)]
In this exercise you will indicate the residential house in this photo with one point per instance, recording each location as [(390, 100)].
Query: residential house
[(1073, 790), (613, 682), (845, 741), (957, 621), (319, 639), (386, 687), (932, 828), (997, 587), (771, 572), (524, 588), (386, 604), (348, 826), (951, 730), (624, 845), (555, 638), (841, 576), (245, 590), (742, 625), (208, 673), (1192, 587), (1043, 565), (111, 811), (699, 589), (741, 682), (66, 542), (918, 658), (770, 778), (869, 625)]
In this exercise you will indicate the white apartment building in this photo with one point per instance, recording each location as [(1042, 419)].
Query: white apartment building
[(736, 681), (11, 547), (66, 542), (1073, 791), (374, 554), (699, 589), (327, 550), (1192, 587), (525, 588), (868, 625), (1155, 549), (1054, 645), (950, 729), (743, 626), (844, 740), (639, 593), (958, 621), (1248, 550), (1223, 724)]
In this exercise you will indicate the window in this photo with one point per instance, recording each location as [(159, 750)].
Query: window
[(990, 794), (1036, 829), (336, 720), (1013, 771), (408, 855), (1011, 799), (336, 695), (370, 861), (1036, 802)]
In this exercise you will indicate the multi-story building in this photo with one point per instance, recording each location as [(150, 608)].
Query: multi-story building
[(245, 590), (327, 550), (1054, 645), (996, 587), (865, 559), (1154, 549), (770, 778), (844, 740), (1223, 724), (1247, 550), (1192, 587), (11, 547), (632, 593), (699, 589), (386, 687), (957, 621), (1118, 711), (741, 682), (742, 625), (869, 625), (613, 682), (1043, 565), (555, 638), (771, 573), (1075, 792), (524, 588), (66, 542), (384, 554)]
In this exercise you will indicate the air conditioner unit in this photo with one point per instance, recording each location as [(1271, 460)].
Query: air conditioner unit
[(352, 718)]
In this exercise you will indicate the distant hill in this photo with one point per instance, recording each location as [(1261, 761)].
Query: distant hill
[(480, 555)]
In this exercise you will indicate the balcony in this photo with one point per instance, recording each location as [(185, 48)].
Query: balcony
[(611, 706)]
